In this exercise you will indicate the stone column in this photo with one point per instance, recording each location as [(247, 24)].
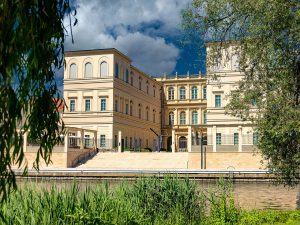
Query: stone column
[(81, 139), (240, 138), (95, 140), (188, 116), (120, 141), (214, 131), (176, 117), (66, 142), (81, 132), (173, 140), (25, 141), (189, 139)]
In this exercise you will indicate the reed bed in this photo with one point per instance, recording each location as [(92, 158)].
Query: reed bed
[(145, 201)]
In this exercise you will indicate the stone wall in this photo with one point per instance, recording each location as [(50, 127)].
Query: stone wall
[(227, 160), (59, 160), (75, 156)]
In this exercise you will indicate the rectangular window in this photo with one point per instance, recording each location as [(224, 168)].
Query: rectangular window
[(204, 118), (194, 118), (72, 105), (255, 138), (204, 92), (154, 93), (116, 105), (102, 141), (103, 105), (218, 138), (140, 85), (126, 108), (236, 138), (87, 105), (182, 93), (87, 141), (253, 101), (117, 71), (217, 101)]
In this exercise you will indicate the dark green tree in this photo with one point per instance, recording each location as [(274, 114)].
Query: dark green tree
[(31, 49), (268, 36)]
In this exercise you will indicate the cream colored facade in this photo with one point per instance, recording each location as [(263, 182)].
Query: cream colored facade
[(183, 111), (104, 92), (225, 132)]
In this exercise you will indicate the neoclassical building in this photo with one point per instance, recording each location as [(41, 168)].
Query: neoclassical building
[(131, 110), (224, 131), (183, 111), (104, 92)]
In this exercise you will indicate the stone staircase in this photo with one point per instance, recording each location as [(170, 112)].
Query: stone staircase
[(138, 160)]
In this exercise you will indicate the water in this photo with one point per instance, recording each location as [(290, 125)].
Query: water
[(248, 195)]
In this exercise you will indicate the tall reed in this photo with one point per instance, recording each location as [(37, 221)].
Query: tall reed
[(145, 201)]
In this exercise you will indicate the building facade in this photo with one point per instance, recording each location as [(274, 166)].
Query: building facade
[(183, 111), (224, 131), (131, 110), (104, 92)]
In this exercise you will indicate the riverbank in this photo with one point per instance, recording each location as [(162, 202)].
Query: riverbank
[(84, 173), (144, 201)]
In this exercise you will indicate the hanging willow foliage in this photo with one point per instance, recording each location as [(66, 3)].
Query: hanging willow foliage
[(31, 49)]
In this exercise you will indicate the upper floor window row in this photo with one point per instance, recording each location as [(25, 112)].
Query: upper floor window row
[(88, 70), (194, 94)]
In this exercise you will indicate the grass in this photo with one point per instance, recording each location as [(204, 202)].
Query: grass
[(145, 201)]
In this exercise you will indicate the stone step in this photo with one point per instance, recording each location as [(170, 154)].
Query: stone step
[(138, 161)]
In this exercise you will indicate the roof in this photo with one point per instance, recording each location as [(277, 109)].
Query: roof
[(60, 104), (96, 52)]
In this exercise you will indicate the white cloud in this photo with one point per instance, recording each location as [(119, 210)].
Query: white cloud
[(137, 28)]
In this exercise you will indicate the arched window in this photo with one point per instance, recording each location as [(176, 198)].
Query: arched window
[(194, 117), (171, 118), (171, 93), (204, 92), (117, 71), (182, 118), (182, 93), (88, 73), (104, 69), (127, 76), (73, 71), (194, 92)]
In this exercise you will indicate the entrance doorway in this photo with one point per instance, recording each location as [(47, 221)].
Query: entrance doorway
[(182, 144), (169, 144)]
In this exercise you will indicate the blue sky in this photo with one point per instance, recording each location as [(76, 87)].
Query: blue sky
[(148, 31)]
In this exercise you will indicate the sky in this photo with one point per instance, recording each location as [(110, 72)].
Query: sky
[(148, 31)]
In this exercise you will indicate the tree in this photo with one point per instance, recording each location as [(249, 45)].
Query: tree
[(31, 49), (268, 36)]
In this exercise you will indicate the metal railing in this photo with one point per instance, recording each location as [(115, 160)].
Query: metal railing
[(228, 139)]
